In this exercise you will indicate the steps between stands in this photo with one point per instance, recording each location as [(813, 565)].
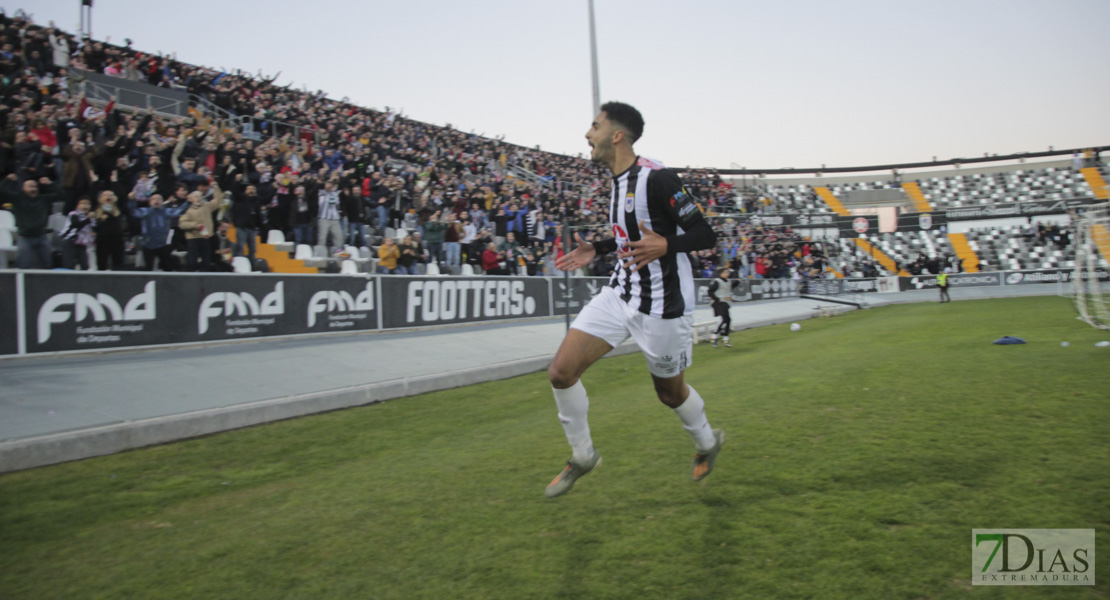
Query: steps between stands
[(880, 256), (832, 201), (1097, 183), (280, 261), (963, 250), (913, 190)]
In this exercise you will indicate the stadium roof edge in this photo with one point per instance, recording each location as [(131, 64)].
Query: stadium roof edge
[(918, 165)]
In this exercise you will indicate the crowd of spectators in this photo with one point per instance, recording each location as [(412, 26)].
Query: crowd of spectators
[(133, 183), (760, 251)]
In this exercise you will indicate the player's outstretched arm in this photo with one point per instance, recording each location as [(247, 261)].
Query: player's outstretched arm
[(579, 257)]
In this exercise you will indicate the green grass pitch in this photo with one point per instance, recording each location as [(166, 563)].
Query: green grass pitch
[(862, 451)]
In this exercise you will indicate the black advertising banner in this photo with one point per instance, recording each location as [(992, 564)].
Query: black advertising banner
[(787, 219), (765, 219), (1016, 209), (836, 287), (701, 291), (738, 290), (9, 322), (955, 280), (77, 311), (765, 289), (336, 303), (863, 284), (580, 291), (251, 306), (822, 287), (1035, 276), (816, 220), (926, 221), (853, 226), (418, 301)]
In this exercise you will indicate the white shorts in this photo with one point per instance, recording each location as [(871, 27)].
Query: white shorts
[(668, 344)]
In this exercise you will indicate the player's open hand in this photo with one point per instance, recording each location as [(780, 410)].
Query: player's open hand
[(580, 257), (651, 246)]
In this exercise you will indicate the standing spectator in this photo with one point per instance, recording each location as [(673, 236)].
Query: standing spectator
[(379, 199), (30, 208), (77, 236), (244, 216), (157, 227), (451, 242), (537, 232), (77, 169), (329, 215), (357, 212), (500, 225), (434, 231), (302, 213), (197, 223), (268, 214), (510, 249), (111, 231)]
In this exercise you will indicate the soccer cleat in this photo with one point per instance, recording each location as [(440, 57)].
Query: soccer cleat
[(703, 462), (714, 343), (565, 480), (728, 344)]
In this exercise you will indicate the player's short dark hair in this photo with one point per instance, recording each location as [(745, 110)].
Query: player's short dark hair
[(626, 116)]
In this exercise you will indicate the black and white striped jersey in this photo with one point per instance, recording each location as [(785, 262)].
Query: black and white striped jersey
[(651, 193)]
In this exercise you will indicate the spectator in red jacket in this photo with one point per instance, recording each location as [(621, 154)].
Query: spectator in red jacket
[(491, 261)]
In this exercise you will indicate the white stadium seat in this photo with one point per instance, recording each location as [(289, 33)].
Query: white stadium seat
[(241, 264)]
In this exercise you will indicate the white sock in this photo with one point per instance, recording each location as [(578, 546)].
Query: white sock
[(692, 414), (573, 405)]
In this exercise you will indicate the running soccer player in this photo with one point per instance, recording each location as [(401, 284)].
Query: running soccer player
[(650, 296), (719, 294)]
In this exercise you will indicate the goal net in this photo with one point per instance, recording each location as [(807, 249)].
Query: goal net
[(1092, 251)]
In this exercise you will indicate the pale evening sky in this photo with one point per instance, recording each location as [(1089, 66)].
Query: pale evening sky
[(757, 84)]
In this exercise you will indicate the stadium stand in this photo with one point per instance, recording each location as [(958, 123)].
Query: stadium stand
[(99, 117)]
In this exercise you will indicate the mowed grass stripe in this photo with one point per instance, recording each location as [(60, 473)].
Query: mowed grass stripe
[(862, 451)]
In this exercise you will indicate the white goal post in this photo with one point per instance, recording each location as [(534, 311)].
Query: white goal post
[(1092, 253)]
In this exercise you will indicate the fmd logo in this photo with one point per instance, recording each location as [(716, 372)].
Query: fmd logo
[(59, 308), (353, 308), (1033, 557), (229, 304)]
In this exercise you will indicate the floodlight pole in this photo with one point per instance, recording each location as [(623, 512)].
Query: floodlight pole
[(593, 61), (86, 19)]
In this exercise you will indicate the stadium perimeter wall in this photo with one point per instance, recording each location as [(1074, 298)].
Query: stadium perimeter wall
[(97, 422), (43, 312)]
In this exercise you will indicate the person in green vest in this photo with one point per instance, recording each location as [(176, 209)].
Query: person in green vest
[(942, 285), (433, 236)]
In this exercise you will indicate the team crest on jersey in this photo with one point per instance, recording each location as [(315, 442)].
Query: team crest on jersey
[(630, 202)]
